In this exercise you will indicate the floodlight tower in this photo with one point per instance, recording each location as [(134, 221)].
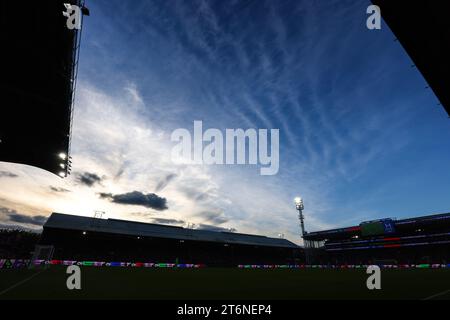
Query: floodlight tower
[(299, 206)]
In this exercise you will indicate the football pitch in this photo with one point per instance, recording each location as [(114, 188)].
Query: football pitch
[(218, 283)]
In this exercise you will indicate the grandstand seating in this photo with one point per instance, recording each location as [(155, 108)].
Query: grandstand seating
[(408, 241), (17, 244)]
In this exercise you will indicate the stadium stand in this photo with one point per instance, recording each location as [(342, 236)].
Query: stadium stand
[(38, 62), (85, 238), (17, 244), (417, 240)]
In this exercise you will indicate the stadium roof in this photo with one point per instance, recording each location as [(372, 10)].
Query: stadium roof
[(423, 29), (38, 74), (327, 234), (123, 227)]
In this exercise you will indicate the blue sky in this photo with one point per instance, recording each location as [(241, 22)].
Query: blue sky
[(360, 135)]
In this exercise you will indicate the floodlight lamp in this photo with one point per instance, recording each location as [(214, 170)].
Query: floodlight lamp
[(62, 155), (62, 174), (299, 203)]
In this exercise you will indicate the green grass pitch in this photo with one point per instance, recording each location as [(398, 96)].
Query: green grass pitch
[(217, 283)]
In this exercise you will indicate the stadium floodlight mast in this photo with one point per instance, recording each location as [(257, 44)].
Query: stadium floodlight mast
[(299, 206)]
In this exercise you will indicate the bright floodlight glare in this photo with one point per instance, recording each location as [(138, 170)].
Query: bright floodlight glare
[(62, 155), (62, 174), (298, 200)]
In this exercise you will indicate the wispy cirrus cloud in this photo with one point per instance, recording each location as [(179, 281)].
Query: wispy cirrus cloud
[(165, 181), (356, 127)]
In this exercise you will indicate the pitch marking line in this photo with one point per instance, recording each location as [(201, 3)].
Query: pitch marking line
[(437, 295), (21, 282)]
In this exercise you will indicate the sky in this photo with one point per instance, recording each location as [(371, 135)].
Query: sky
[(361, 137)]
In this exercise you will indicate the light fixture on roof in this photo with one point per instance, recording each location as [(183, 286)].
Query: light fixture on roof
[(62, 155), (62, 165)]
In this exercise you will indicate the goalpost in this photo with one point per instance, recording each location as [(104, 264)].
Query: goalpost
[(41, 255)]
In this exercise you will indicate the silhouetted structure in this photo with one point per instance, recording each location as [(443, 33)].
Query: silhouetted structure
[(38, 75), (417, 240), (83, 238), (423, 29)]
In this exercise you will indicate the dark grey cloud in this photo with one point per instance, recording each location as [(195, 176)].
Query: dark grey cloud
[(34, 220), (14, 216), (7, 174), (19, 227), (208, 227), (149, 200), (165, 181), (168, 221), (88, 179), (60, 190)]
